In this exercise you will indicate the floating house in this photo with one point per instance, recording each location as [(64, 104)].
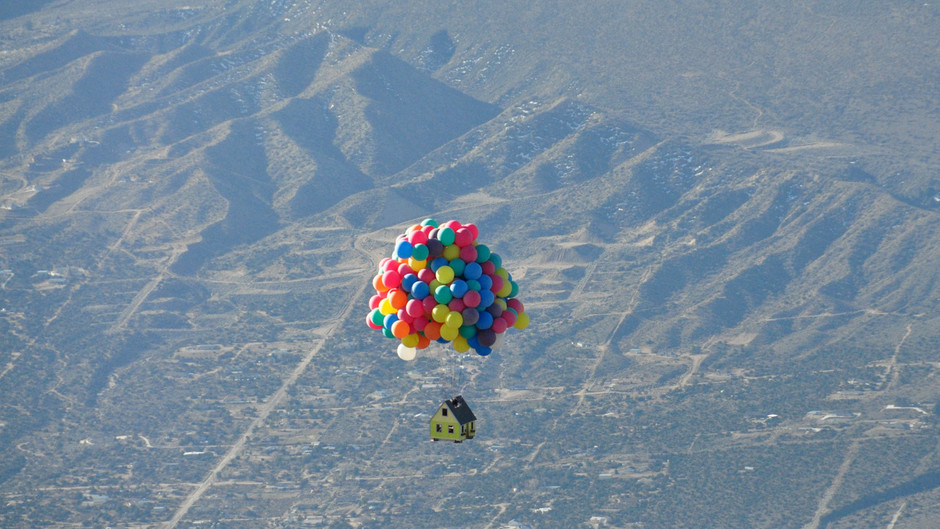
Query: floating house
[(453, 421)]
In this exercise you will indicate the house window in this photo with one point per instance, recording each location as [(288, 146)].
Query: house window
[(450, 428), (444, 412), (439, 430)]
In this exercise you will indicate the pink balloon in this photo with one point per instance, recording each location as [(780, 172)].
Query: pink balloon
[(497, 283), (499, 325), (415, 308), (391, 278), (456, 304), (427, 275), (473, 230), (405, 269), (417, 237), (375, 300), (391, 264), (463, 237), (429, 303), (489, 267), (516, 305), (404, 316), (468, 253), (471, 298), (419, 324), (509, 316)]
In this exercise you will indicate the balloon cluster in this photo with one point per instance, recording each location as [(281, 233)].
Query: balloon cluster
[(442, 285)]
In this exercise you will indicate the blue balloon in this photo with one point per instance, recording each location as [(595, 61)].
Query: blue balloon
[(403, 249), (408, 281), (458, 288), (487, 297), (486, 282), (438, 262), (483, 351), (390, 319), (485, 321), (472, 270), (420, 290)]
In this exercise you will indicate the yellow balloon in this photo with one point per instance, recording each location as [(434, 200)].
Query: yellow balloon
[(505, 290), (433, 284), (445, 275), (411, 340), (439, 313), (416, 264), (449, 333), (461, 345), (386, 308), (501, 272), (454, 319), (451, 252), (522, 321)]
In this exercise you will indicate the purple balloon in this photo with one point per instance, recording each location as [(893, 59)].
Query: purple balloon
[(470, 316)]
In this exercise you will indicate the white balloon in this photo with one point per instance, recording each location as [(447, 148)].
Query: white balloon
[(406, 353)]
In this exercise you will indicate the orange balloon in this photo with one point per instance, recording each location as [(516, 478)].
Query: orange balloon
[(433, 330), (423, 342), (398, 298), (378, 283), (400, 329)]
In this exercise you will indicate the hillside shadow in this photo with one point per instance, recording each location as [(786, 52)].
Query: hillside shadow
[(237, 169), (310, 124), (412, 114)]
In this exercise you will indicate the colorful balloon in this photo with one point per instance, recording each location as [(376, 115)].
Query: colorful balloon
[(441, 284)]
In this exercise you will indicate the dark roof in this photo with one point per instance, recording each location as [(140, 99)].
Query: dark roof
[(460, 409)]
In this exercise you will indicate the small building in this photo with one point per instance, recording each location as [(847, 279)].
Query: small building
[(453, 421)]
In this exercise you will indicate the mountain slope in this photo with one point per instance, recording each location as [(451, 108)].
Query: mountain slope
[(730, 268)]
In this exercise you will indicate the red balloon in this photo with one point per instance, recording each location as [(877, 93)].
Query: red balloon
[(489, 267), (499, 325)]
